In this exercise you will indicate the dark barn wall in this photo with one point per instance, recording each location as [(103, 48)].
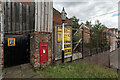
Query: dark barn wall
[(19, 18)]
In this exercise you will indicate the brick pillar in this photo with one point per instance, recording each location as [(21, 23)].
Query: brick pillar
[(1, 55), (35, 39)]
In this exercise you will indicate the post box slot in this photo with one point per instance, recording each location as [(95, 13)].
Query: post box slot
[(44, 46)]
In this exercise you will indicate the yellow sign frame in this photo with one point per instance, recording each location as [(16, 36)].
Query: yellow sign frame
[(13, 42)]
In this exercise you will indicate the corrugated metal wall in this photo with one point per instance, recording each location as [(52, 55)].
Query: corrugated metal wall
[(22, 19), (44, 16), (19, 18)]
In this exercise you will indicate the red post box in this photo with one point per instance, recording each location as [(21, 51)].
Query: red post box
[(43, 52)]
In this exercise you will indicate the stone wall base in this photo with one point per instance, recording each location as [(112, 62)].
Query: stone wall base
[(59, 61), (102, 59), (76, 56)]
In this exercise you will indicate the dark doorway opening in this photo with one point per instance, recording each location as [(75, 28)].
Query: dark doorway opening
[(18, 53)]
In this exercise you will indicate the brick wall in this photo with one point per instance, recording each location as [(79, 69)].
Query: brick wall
[(113, 43), (35, 39), (1, 54), (86, 35), (57, 18)]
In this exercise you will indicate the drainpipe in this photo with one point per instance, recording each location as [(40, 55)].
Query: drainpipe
[(2, 39), (2, 23), (2, 31)]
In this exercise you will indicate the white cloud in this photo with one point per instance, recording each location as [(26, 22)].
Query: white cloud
[(86, 9)]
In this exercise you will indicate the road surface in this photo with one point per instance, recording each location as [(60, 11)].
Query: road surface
[(115, 59)]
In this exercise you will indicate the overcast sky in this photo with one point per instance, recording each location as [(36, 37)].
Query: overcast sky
[(104, 10)]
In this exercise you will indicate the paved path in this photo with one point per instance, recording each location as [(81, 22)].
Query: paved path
[(0, 72), (21, 71), (115, 59)]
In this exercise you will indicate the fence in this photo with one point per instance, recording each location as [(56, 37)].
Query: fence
[(89, 42)]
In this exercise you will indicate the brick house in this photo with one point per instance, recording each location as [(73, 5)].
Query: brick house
[(112, 37), (114, 31), (86, 33)]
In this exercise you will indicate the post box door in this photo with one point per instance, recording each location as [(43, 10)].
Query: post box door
[(43, 52)]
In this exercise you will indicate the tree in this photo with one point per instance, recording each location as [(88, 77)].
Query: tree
[(75, 22), (98, 28), (88, 24), (76, 25)]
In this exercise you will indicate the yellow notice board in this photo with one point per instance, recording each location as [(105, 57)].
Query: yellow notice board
[(68, 48), (67, 39), (67, 34), (59, 34)]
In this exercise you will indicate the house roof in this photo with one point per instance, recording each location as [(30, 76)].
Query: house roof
[(113, 28), (116, 29), (89, 27), (81, 28), (84, 26)]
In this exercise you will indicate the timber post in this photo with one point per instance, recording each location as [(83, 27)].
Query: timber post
[(82, 43), (90, 42)]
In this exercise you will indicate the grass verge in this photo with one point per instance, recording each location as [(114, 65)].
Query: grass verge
[(76, 70)]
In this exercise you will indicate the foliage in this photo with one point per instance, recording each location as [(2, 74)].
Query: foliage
[(88, 24), (75, 23), (98, 26), (76, 70), (98, 29)]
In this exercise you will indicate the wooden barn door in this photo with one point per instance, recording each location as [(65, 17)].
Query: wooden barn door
[(16, 50)]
